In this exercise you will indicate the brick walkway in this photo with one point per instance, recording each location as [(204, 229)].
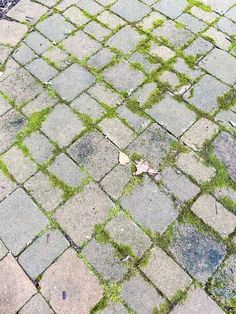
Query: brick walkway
[(92, 91)]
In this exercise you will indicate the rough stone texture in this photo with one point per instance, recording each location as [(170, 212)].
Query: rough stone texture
[(62, 125), (6, 186), (153, 144), (67, 171), (214, 214), (21, 221), (150, 207), (197, 302), (11, 32), (198, 48), (165, 273), (172, 115), (193, 166), (191, 22), (80, 214), (104, 95), (203, 130), (42, 252), (42, 101), (206, 93), (37, 42), (36, 305), (101, 58), (3, 250), (16, 288), (144, 92), (225, 147), (85, 104), (58, 56), (24, 54), (171, 8), (81, 287), (110, 19), (96, 153), (97, 30), (103, 259), (138, 123), (114, 309), (75, 15), (132, 11), (41, 69), (200, 255), (124, 231), (141, 296), (44, 192)]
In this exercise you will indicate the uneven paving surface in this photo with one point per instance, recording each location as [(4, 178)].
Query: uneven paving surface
[(90, 92)]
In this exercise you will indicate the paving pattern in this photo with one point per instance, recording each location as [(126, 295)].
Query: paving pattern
[(92, 93)]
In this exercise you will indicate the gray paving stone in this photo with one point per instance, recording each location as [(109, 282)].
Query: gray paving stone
[(199, 254), (64, 4), (231, 14), (19, 165), (69, 274), (13, 296), (42, 252), (140, 59), (80, 214), (125, 40), (96, 30), (169, 78), (227, 26), (58, 57), (101, 58), (41, 69), (44, 192), (85, 104), (165, 273), (117, 132), (205, 93), (176, 36), (10, 124), (138, 123), (125, 232), (153, 144), (131, 11), (225, 146), (42, 101), (4, 53), (20, 86), (39, 147), (197, 302), (48, 3), (75, 15), (96, 153), (37, 42), (81, 45), (141, 296), (220, 7), (144, 92), (193, 166), (103, 259), (110, 19), (4, 105), (206, 16), (203, 130), (191, 22), (10, 67), (67, 171), (6, 186), (214, 214), (178, 184), (224, 281), (150, 207), (55, 27), (62, 125), (162, 52), (24, 54), (174, 116), (114, 308), (171, 8), (220, 39), (131, 78), (36, 305), (227, 118), (90, 6), (198, 48), (115, 181), (3, 250), (105, 95), (21, 221), (182, 67), (220, 64), (12, 32), (72, 82)]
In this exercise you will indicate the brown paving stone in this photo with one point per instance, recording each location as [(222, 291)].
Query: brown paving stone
[(69, 286), (16, 288)]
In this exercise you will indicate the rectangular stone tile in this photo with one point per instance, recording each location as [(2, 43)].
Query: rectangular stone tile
[(96, 153), (220, 7), (191, 22), (132, 11), (58, 56), (6, 186), (36, 305), (42, 252), (97, 31), (79, 215), (16, 288), (67, 279), (3, 250), (105, 95), (4, 105), (171, 8), (138, 123), (206, 16), (101, 58), (124, 231), (90, 6), (11, 32), (103, 258), (20, 166), (42, 101), (75, 15), (37, 42), (150, 207), (44, 192), (214, 214), (113, 21), (220, 39), (114, 308), (24, 54), (143, 93), (168, 277), (21, 221), (41, 69), (85, 104)]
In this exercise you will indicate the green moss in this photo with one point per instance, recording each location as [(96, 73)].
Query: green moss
[(145, 259), (164, 308), (134, 181), (101, 235), (179, 297), (228, 100), (5, 170), (199, 4), (158, 23), (229, 203)]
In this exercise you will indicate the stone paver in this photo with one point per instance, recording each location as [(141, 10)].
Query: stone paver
[(82, 83)]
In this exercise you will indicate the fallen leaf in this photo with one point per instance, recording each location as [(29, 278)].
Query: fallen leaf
[(141, 167), (123, 159)]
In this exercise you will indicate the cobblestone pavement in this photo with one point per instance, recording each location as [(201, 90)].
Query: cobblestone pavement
[(92, 93)]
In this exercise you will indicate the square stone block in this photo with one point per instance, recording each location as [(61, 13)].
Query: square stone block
[(131, 11), (171, 8), (12, 32), (105, 95), (41, 69), (37, 42), (36, 305), (85, 104)]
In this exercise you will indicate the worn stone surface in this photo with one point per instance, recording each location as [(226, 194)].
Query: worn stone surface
[(6, 186), (11, 32), (132, 11), (3, 250), (37, 305), (85, 104)]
